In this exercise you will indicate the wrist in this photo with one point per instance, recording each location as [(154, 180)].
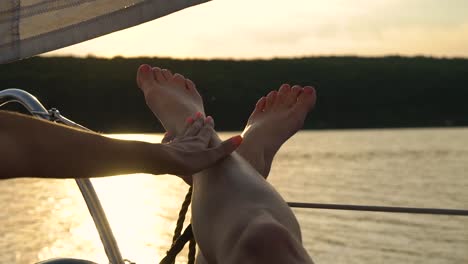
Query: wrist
[(157, 159), (140, 157)]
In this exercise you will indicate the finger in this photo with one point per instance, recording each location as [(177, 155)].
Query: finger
[(225, 149), (168, 137), (194, 129), (228, 146), (188, 123), (206, 132), (209, 157)]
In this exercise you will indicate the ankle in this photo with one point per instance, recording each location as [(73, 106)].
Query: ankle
[(254, 156)]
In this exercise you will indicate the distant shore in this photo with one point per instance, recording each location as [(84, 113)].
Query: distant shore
[(353, 92)]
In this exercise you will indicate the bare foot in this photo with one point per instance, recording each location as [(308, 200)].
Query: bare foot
[(171, 97), (276, 118)]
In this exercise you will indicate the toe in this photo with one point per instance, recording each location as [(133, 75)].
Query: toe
[(291, 99), (283, 93), (270, 100), (179, 79), (167, 74), (284, 89), (145, 77), (157, 72), (306, 100), (260, 106), (189, 84)]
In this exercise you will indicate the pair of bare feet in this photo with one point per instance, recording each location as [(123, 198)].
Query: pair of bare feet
[(276, 117)]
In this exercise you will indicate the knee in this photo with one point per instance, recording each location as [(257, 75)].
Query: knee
[(265, 240)]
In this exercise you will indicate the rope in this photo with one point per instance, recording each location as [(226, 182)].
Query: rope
[(178, 240), (387, 209), (192, 251), (182, 213), (177, 246)]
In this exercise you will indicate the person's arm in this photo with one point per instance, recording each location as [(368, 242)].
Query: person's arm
[(30, 147)]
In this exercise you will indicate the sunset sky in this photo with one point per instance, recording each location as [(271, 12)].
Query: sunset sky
[(274, 28)]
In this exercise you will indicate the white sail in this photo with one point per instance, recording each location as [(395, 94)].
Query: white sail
[(31, 27)]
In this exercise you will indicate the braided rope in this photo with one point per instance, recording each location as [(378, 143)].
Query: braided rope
[(178, 246), (192, 251), (178, 240), (182, 214)]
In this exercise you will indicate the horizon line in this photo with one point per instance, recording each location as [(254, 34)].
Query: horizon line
[(89, 56)]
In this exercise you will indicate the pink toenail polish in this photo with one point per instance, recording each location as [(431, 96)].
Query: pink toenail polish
[(309, 90), (146, 68), (189, 120), (198, 115), (236, 141)]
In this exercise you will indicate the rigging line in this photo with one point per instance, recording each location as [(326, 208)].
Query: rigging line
[(386, 209)]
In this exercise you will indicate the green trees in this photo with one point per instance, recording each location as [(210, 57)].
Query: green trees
[(353, 92)]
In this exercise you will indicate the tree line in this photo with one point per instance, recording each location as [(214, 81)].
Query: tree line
[(353, 92)]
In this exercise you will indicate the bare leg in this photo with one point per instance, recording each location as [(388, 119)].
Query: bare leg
[(262, 134), (237, 216)]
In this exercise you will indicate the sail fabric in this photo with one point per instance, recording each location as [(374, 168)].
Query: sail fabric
[(31, 27)]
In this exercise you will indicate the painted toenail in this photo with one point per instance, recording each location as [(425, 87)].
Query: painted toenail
[(146, 68), (189, 120), (198, 115), (308, 90)]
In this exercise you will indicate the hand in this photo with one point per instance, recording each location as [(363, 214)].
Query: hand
[(189, 152)]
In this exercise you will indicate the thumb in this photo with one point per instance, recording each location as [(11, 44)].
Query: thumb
[(228, 146), (213, 155)]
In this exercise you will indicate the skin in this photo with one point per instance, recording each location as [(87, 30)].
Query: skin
[(237, 217), (30, 147)]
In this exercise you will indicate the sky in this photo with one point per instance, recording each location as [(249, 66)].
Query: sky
[(247, 29)]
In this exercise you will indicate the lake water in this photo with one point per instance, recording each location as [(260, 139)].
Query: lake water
[(42, 219)]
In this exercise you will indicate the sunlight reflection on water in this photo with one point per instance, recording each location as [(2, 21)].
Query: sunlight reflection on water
[(43, 219), (144, 229)]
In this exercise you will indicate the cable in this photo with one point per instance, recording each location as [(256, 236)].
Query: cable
[(386, 209)]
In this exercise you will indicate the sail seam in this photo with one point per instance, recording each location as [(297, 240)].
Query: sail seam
[(15, 30), (40, 9)]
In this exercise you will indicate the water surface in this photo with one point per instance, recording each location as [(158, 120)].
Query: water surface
[(411, 167)]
